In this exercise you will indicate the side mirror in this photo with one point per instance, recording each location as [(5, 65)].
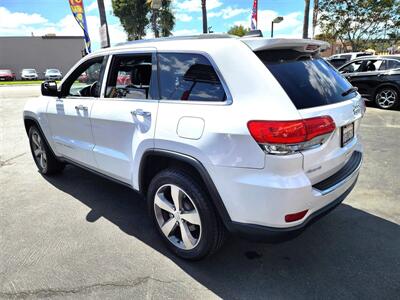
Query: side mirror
[(49, 88)]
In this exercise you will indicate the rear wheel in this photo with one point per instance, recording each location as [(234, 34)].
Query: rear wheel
[(387, 98), (184, 215), (45, 161)]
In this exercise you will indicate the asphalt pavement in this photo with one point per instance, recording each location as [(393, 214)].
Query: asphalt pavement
[(79, 236)]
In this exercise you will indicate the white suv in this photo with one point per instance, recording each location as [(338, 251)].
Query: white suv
[(253, 136)]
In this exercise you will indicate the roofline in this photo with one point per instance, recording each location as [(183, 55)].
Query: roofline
[(179, 38), (44, 37)]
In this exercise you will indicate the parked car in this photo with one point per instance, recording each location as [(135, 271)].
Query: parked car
[(52, 74), (259, 146), (338, 60), (377, 79), (29, 74), (7, 74)]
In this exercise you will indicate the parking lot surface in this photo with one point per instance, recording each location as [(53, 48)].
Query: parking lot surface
[(77, 235)]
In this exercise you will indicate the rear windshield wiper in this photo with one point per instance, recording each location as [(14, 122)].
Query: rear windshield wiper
[(353, 89)]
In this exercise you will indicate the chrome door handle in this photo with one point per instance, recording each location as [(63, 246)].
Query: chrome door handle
[(140, 112), (81, 107)]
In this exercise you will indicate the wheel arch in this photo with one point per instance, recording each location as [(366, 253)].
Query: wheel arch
[(29, 122), (155, 160)]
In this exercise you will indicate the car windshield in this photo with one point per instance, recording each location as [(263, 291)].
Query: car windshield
[(307, 79), (5, 71), (52, 71), (29, 71)]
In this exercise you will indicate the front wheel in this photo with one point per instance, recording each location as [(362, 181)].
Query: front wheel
[(45, 160), (387, 98), (184, 215)]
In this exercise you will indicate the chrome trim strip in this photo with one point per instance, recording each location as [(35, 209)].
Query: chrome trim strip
[(340, 183)]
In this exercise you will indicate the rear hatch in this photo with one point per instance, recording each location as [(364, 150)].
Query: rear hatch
[(316, 89)]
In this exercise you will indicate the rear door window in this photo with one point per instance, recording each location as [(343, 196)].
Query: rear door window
[(389, 64), (130, 77), (308, 80), (189, 77)]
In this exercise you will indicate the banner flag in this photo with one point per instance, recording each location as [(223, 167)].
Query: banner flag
[(253, 24), (79, 13)]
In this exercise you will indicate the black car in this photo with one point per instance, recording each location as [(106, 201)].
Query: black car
[(377, 79)]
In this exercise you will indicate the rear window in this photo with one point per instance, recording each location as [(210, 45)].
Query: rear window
[(308, 80)]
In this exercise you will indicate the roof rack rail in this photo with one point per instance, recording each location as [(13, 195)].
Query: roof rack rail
[(179, 38)]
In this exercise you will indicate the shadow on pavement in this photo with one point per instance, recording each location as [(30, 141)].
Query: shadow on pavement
[(347, 254)]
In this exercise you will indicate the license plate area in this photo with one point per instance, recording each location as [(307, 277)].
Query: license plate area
[(347, 134)]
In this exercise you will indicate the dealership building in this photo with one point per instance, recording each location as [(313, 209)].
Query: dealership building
[(40, 53)]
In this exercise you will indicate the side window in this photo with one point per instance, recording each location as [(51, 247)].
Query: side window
[(188, 77), (372, 65), (390, 64), (130, 77), (353, 67), (86, 80)]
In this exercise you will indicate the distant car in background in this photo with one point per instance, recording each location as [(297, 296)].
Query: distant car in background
[(6, 74), (29, 74), (52, 74), (338, 60), (377, 79)]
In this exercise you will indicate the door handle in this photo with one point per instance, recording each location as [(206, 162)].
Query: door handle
[(81, 107), (140, 112)]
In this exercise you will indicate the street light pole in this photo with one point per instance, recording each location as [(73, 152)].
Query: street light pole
[(272, 29), (204, 13), (276, 20), (105, 38)]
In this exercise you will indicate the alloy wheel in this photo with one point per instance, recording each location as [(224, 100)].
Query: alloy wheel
[(177, 216), (38, 150), (386, 98)]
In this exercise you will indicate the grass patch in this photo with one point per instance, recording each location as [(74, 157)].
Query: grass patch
[(22, 82)]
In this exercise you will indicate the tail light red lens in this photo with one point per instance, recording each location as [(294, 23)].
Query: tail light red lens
[(290, 132), (296, 216)]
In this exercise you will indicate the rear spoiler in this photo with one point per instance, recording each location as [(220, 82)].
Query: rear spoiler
[(301, 45)]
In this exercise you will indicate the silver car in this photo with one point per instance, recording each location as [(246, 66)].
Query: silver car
[(29, 74), (52, 74)]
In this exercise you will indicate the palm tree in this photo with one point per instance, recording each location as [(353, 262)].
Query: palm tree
[(315, 16), (162, 20), (204, 11), (306, 17)]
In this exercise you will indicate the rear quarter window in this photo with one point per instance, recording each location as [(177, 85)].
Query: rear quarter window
[(308, 80), (188, 77)]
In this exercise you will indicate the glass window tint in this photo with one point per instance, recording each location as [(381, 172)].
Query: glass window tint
[(353, 67), (130, 77), (308, 80), (189, 77), (86, 82), (390, 64), (372, 65)]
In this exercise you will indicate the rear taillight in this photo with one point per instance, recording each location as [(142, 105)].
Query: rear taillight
[(284, 137)]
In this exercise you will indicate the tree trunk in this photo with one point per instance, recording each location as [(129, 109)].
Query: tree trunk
[(315, 16), (204, 11), (306, 18)]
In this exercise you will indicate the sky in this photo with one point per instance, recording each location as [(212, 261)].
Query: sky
[(39, 17)]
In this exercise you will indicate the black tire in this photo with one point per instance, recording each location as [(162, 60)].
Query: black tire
[(51, 164), (390, 92), (212, 230)]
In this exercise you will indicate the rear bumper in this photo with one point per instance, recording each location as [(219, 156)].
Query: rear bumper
[(273, 234)]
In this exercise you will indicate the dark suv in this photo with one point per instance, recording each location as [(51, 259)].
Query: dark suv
[(377, 79)]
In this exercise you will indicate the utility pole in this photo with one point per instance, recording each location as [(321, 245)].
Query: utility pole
[(204, 11), (104, 36)]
